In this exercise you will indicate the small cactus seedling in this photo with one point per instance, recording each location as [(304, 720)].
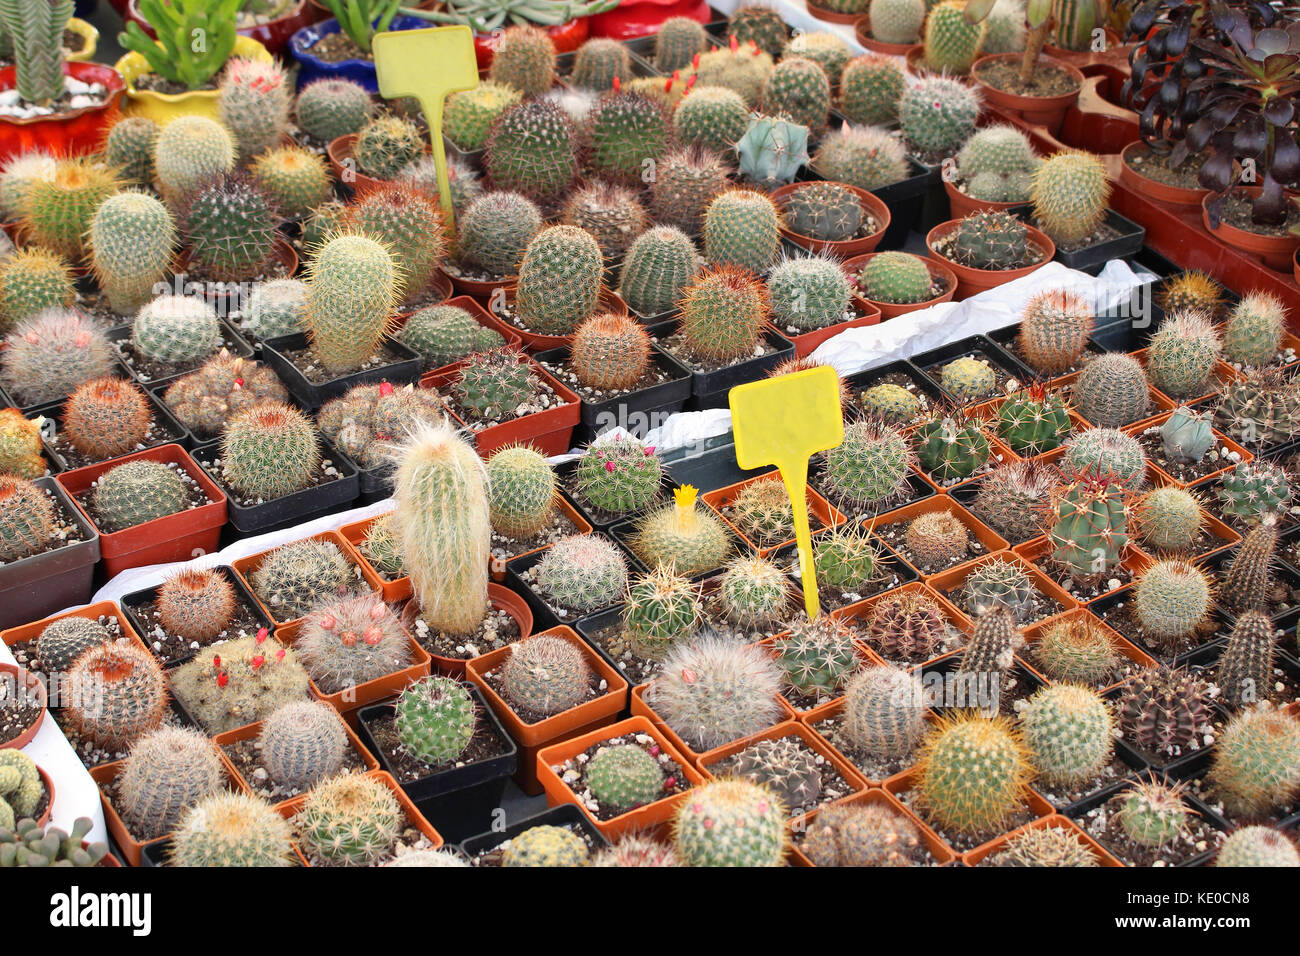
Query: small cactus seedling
[(1245, 674), (1152, 813), (973, 772), (1054, 330), (731, 823), (661, 608)]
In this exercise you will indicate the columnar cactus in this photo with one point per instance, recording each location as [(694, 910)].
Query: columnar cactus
[(495, 230), (33, 280), (993, 643), (1253, 332), (135, 492), (329, 108), (951, 447), (973, 772), (294, 577), (176, 330), (713, 116), (870, 468), (352, 289), (1032, 421), (870, 87), (1187, 435), (1069, 732), (254, 98), (521, 491), (1247, 581), (386, 145), (1245, 673), (435, 718), (1182, 355), (937, 114), (582, 573), (116, 693), (1111, 391), (269, 451), (1090, 527), (129, 147), (238, 682), (619, 475), (524, 59), (897, 21), (863, 156), (730, 823), (232, 830), (712, 691), (188, 152), (468, 115), (686, 180), (724, 312), (1168, 519), (348, 820), (1172, 600), (166, 772), (1076, 651), (809, 292), (1253, 491), (532, 150), (611, 213), (623, 777), (798, 88), (196, 603), (57, 212), (559, 280), (1258, 846), (1070, 192), (817, 655), (443, 527), (741, 229), (132, 238), (1256, 766), (1108, 453), (106, 417), (656, 268)]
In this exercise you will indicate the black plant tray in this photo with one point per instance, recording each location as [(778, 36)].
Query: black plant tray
[(710, 389), (1091, 259), (930, 362), (312, 396), (544, 615), (231, 340), (565, 815)]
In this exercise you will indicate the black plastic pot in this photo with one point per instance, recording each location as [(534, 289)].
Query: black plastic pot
[(231, 341), (637, 411), (712, 467), (32, 588), (1091, 259), (890, 563), (175, 434), (965, 495), (931, 363), (710, 389), (473, 158), (640, 66), (1193, 655), (599, 520), (155, 854), (545, 616), (460, 802), (312, 396), (861, 381), (292, 509), (565, 815), (596, 623), (1003, 338), (133, 603)]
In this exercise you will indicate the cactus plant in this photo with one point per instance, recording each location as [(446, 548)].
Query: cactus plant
[(190, 151), (1253, 491), (870, 87), (871, 467), (365, 422), (294, 577), (106, 417), (611, 213), (20, 445), (1070, 192), (524, 59), (816, 656), (999, 583), (753, 593), (683, 536), (761, 511), (531, 150), (713, 116), (799, 89), (56, 213), (254, 98), (844, 558), (546, 846), (896, 278), (937, 539), (132, 238), (610, 352), (1245, 673), (1256, 765), (884, 712), (166, 772), (741, 230), (1048, 846), (26, 844), (893, 403), (1076, 651), (951, 447), (863, 156), (64, 640), (1089, 529), (27, 519), (623, 777), (135, 492), (897, 21), (624, 132), (496, 230), (730, 823), (545, 675), (1246, 580), (1168, 519), (116, 693), (206, 400), (238, 682), (968, 378), (937, 114), (760, 25), (559, 280), (348, 820), (469, 115), (493, 384), (1069, 732), (993, 643), (677, 42), (1257, 846), (385, 145), (619, 475), (129, 148), (659, 264), (1262, 408), (1172, 600), (808, 292), (197, 604), (1190, 291), (771, 151), (444, 334), (1182, 355), (294, 179), (176, 330), (1253, 333), (409, 223), (380, 548), (329, 108), (952, 42), (229, 226), (1152, 813), (1010, 497), (269, 451), (352, 289), (232, 830), (521, 491), (33, 280), (661, 608), (1164, 711), (1111, 391), (907, 625), (1186, 435), (861, 835), (1032, 421), (787, 767), (997, 148), (351, 641), (991, 240), (434, 719), (740, 70), (685, 182), (582, 573), (1108, 453), (599, 62), (826, 211), (723, 313), (973, 772)]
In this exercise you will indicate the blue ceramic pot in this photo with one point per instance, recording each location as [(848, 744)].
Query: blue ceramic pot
[(359, 71)]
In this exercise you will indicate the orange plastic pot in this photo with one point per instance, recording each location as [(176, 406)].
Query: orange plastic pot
[(69, 133), (1046, 111), (547, 431), (1220, 440), (862, 611), (961, 205), (609, 301), (24, 682), (1295, 265), (949, 582), (253, 731), (652, 818), (1130, 651), (590, 715), (640, 708), (355, 533), (1038, 551), (990, 539), (878, 798), (789, 728), (246, 567), (371, 691), (862, 30), (819, 510), (344, 163), (1053, 822), (502, 599), (480, 289), (998, 452), (92, 612), (176, 537), (843, 249), (414, 817), (1153, 188), (892, 310), (971, 281), (1276, 252)]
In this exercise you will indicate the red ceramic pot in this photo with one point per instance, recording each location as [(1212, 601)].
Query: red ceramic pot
[(639, 18), (65, 134)]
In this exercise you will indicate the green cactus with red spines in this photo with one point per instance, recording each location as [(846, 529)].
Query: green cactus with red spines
[(724, 312)]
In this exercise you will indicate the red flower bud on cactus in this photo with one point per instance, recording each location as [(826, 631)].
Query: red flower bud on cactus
[(223, 679)]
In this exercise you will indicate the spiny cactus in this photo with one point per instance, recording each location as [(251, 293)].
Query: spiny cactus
[(20, 445), (464, 181), (380, 548), (1152, 813), (809, 292), (269, 451), (951, 447), (1077, 651), (409, 223), (619, 475), (524, 59), (896, 278), (443, 527), (1245, 673), (787, 767), (435, 718), (760, 25), (992, 240), (254, 98), (863, 156), (1186, 435), (1261, 409), (546, 846), (1033, 421), (106, 417), (366, 421), (730, 823), (166, 772), (232, 830), (740, 70), (753, 593), (712, 691), (493, 384), (188, 152), (129, 147), (351, 641), (1172, 600), (443, 334), (293, 577), (871, 467), (1168, 519), (33, 280), (817, 655), (545, 675), (1253, 491), (352, 288), (57, 212), (762, 512), (582, 573), (239, 682), (713, 116), (1190, 291), (329, 108), (623, 777), (21, 788), (1164, 711), (999, 583), (599, 61), (1182, 355), (63, 641), (229, 226), (870, 87), (826, 211), (659, 264), (196, 603), (907, 625), (624, 132), (610, 351), (1070, 192), (683, 535), (132, 238), (1256, 765), (723, 313), (897, 21), (937, 539), (952, 42), (1246, 581), (385, 145), (741, 229), (993, 643), (116, 693), (320, 225), (997, 148), (532, 150), (861, 835), (1010, 497), (27, 519), (937, 114), (176, 330), (135, 492), (1111, 391), (1253, 332), (972, 772), (686, 180), (1069, 732), (845, 558), (968, 378), (295, 180), (496, 229), (348, 820), (613, 214), (1090, 527), (16, 176), (1050, 846), (559, 280), (798, 88), (1109, 453), (521, 491), (678, 40), (1258, 846), (225, 386), (662, 607), (468, 115), (884, 712)]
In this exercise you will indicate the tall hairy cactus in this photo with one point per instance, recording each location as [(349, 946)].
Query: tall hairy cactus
[(353, 283), (443, 526), (254, 98), (34, 30), (132, 238), (409, 223)]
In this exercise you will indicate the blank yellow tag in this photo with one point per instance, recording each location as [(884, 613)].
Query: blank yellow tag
[(428, 64), (784, 421)]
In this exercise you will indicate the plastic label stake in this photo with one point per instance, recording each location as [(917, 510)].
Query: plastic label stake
[(784, 421), (428, 64)]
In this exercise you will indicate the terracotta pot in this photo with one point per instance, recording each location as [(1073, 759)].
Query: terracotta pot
[(590, 715), (821, 513), (892, 310), (1127, 649), (1038, 551), (972, 281), (89, 41), (937, 848), (961, 205), (1220, 441), (69, 133), (162, 108), (1153, 188), (344, 164), (609, 301), (847, 248), (831, 16), (790, 728), (481, 289), (416, 819), (547, 431), (254, 730), (1046, 111), (20, 681), (274, 34), (1277, 252), (949, 583), (371, 691), (247, 566), (1054, 822), (176, 537), (640, 708), (991, 540), (862, 30), (651, 818), (502, 599)]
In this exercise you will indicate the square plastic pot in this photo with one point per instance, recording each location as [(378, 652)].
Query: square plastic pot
[(1054, 822), (1038, 551), (710, 389), (231, 340), (949, 583), (938, 850), (175, 537), (1138, 658), (565, 815), (247, 566), (990, 539), (545, 616), (34, 586), (931, 362), (312, 396)]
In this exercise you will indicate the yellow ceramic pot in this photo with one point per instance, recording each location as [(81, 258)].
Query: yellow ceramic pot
[(90, 38), (162, 108)]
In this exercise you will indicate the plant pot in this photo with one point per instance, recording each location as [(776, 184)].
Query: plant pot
[(862, 32), (462, 800), (821, 513), (215, 293), (162, 108), (311, 395), (831, 16), (949, 584), (1091, 258), (1046, 111), (991, 541), (68, 133), (1153, 188), (567, 37), (548, 431), (651, 818), (254, 730), (638, 18), (274, 34), (131, 359), (36, 586), (566, 815), (371, 691), (1038, 552), (30, 686), (355, 533), (970, 280), (175, 537), (805, 343), (546, 614), (961, 205), (311, 67), (89, 41), (1138, 659), (892, 310), (502, 599), (906, 201), (609, 301), (640, 708), (344, 164), (1221, 374), (710, 389), (638, 411), (1276, 252), (938, 850), (1053, 822), (600, 711), (481, 290), (245, 568), (841, 249), (1295, 264), (332, 495)]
